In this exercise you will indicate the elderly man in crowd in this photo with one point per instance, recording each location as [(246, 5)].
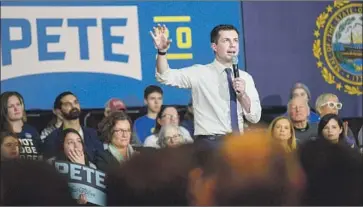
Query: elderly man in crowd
[(299, 111)]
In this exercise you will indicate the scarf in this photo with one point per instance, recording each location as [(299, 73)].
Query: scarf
[(116, 154)]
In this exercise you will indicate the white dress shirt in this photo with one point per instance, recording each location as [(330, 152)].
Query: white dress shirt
[(211, 99)]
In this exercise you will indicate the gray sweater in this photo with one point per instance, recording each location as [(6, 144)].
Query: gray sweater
[(310, 132)]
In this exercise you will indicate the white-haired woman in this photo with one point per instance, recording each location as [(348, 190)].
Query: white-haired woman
[(170, 136)]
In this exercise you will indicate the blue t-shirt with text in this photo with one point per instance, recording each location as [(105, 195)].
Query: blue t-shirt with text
[(144, 127)]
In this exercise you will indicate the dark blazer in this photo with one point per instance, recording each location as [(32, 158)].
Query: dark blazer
[(91, 141), (105, 161)]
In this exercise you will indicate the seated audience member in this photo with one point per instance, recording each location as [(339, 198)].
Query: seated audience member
[(248, 170), (116, 133), (68, 106), (71, 148), (301, 90), (282, 130), (167, 115), (188, 120), (10, 146), (170, 136), (331, 128), (144, 126), (114, 104), (55, 123), (360, 139), (328, 103), (333, 173), (298, 111), (13, 119), (154, 178), (33, 183)]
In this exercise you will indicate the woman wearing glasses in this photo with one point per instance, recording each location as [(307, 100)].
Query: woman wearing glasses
[(167, 115), (170, 136), (116, 133), (328, 103)]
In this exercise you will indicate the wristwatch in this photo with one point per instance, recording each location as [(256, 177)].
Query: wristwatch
[(161, 53)]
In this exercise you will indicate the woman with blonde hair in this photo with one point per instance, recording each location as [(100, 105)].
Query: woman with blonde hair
[(281, 129)]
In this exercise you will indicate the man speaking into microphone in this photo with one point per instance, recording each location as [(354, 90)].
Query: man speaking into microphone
[(222, 94)]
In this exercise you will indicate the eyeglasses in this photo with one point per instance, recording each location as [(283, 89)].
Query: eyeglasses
[(333, 105), (169, 116), (128, 131), (168, 138)]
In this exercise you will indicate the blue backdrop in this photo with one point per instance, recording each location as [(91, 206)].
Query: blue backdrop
[(102, 49), (279, 39)]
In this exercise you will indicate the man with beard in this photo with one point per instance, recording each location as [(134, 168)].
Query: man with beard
[(68, 106)]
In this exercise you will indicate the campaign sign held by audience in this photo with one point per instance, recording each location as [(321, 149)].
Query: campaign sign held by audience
[(86, 180), (102, 49)]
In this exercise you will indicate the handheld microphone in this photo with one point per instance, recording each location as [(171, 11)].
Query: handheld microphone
[(235, 66)]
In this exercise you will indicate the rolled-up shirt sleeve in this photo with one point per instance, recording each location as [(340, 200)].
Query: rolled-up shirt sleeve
[(254, 115), (181, 78)]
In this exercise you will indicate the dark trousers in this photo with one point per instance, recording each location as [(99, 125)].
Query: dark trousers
[(209, 141)]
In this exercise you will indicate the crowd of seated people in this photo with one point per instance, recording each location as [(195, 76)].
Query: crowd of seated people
[(172, 167)]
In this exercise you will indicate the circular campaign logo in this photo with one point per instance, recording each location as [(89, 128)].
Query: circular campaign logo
[(338, 46)]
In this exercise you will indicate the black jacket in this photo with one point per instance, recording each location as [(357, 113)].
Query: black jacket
[(105, 161)]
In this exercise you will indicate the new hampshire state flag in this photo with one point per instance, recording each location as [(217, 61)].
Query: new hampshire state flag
[(316, 43)]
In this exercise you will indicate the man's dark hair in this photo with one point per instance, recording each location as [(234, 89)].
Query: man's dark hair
[(333, 173), (214, 34), (33, 183), (58, 103), (153, 178), (152, 89)]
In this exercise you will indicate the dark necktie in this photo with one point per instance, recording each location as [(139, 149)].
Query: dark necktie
[(232, 102)]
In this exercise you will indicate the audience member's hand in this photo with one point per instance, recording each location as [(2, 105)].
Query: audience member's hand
[(345, 126), (82, 199), (77, 156)]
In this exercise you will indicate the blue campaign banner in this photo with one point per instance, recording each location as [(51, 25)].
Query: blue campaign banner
[(84, 180), (103, 49)]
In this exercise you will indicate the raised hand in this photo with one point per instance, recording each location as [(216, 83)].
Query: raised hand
[(160, 37), (77, 156)]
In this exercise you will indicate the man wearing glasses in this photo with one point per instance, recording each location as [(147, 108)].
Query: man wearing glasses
[(328, 103)]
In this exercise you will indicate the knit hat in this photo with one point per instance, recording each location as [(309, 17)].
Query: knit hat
[(300, 85)]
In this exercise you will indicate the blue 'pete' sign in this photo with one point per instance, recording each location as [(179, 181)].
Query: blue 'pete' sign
[(102, 49), (84, 180)]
